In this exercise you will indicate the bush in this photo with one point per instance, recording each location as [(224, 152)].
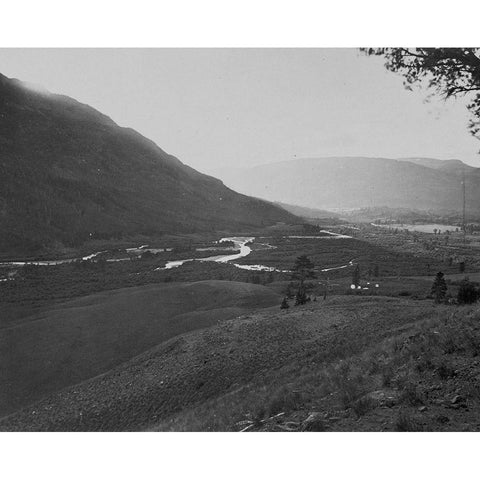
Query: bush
[(445, 372), (467, 293), (284, 305)]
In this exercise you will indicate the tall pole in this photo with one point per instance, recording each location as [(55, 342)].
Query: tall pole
[(464, 202)]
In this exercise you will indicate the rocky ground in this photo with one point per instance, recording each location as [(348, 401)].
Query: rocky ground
[(347, 364)]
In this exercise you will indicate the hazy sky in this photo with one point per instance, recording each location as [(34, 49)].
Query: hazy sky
[(217, 108)]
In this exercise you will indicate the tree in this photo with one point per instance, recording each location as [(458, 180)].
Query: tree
[(461, 267), (302, 270), (375, 271), (467, 293), (439, 287), (301, 296), (356, 276), (448, 72)]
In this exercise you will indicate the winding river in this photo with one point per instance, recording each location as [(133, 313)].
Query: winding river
[(240, 243)]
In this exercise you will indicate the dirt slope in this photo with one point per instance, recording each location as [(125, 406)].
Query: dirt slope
[(85, 337), (241, 369)]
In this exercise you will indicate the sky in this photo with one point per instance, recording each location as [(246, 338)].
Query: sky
[(223, 108)]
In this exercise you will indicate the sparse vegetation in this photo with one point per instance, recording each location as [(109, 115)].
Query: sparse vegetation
[(467, 292), (439, 287)]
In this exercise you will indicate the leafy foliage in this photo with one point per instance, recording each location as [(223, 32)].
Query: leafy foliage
[(449, 72)]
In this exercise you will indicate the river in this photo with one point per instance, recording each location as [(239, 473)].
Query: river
[(240, 243)]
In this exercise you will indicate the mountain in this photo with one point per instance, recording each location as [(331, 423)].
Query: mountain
[(453, 166), (68, 174), (311, 213), (358, 182)]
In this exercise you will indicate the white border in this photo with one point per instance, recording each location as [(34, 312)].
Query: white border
[(246, 23), (240, 23)]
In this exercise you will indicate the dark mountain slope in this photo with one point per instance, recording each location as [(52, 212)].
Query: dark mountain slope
[(69, 173), (356, 182)]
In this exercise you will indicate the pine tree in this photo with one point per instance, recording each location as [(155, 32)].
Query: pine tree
[(439, 287), (302, 270)]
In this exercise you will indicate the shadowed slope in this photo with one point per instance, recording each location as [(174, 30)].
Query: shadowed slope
[(83, 338), (69, 174), (212, 378)]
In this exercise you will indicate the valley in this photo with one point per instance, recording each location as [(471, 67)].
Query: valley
[(67, 326), (316, 294)]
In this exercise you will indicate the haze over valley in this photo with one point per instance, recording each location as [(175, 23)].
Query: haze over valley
[(361, 182)]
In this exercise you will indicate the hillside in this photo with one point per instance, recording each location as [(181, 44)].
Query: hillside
[(69, 174), (359, 182), (348, 363), (309, 213), (453, 166), (76, 340)]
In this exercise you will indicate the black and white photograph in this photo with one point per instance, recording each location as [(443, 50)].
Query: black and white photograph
[(275, 242)]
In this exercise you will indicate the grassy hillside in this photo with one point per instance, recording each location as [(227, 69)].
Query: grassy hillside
[(69, 174), (350, 363), (85, 337)]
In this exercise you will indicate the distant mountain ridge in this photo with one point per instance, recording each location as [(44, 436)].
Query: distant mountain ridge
[(452, 165), (68, 173), (360, 182)]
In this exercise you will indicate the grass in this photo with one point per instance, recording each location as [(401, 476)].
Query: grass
[(332, 354), (41, 287), (405, 422), (88, 336), (330, 252), (329, 357)]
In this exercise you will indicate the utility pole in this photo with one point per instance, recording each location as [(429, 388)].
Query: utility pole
[(464, 203)]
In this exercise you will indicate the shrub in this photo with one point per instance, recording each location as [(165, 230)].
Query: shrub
[(467, 293), (445, 372)]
